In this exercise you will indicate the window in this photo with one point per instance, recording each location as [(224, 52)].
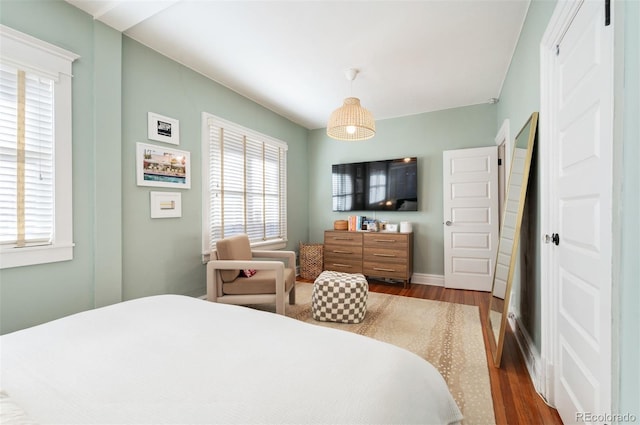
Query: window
[(343, 190), (35, 151), (245, 184)]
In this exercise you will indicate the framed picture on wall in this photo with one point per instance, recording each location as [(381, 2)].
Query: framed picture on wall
[(163, 129), (162, 167), (166, 204)]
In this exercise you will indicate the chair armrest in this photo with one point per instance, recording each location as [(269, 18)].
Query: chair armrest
[(214, 284), (290, 256), (245, 264)]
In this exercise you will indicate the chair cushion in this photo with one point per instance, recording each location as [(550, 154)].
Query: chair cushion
[(263, 282), (233, 248)]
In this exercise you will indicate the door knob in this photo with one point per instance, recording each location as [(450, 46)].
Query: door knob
[(448, 223), (554, 238)]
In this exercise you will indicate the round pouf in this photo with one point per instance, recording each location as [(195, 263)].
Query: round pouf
[(339, 297)]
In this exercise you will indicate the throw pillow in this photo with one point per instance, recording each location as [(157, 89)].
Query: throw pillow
[(248, 272)]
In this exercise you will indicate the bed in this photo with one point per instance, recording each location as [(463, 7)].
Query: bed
[(176, 359)]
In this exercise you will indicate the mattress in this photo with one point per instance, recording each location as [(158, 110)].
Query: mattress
[(173, 359)]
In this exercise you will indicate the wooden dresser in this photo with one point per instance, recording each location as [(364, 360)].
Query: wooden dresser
[(376, 254)]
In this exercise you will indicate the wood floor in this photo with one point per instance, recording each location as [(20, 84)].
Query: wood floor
[(515, 400)]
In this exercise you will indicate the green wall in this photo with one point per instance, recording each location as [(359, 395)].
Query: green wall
[(120, 252), (32, 295), (165, 255), (107, 161), (519, 98), (425, 136), (628, 289)]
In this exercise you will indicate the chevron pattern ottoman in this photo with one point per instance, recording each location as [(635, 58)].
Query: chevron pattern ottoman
[(339, 297)]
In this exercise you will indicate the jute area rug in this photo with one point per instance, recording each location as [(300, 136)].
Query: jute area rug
[(447, 335)]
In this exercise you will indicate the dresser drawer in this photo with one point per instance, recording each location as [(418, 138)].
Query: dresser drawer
[(386, 255), (386, 240), (342, 251), (343, 238), (343, 258), (387, 270), (341, 264)]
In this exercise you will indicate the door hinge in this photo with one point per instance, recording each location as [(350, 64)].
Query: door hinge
[(607, 13), (557, 50)]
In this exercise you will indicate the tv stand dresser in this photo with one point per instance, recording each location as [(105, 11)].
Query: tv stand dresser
[(385, 255)]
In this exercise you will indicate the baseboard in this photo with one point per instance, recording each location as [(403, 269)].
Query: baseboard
[(427, 279), (531, 356), (417, 278)]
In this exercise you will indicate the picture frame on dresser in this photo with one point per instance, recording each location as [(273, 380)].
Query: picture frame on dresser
[(391, 227)]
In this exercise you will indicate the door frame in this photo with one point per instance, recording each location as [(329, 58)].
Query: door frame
[(560, 21), (503, 139)]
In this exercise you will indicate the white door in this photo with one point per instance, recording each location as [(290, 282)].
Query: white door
[(470, 178), (581, 188)]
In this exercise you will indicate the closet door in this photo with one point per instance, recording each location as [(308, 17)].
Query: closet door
[(470, 178), (581, 201)]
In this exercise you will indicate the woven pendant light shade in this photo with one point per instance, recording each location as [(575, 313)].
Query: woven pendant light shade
[(351, 122)]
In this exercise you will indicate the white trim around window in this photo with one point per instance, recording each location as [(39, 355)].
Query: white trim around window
[(35, 56), (244, 190)]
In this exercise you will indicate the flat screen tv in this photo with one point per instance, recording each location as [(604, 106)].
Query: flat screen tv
[(387, 185)]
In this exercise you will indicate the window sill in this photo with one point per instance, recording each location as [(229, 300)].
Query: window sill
[(32, 255)]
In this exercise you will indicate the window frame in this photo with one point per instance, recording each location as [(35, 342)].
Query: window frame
[(39, 57), (206, 193)]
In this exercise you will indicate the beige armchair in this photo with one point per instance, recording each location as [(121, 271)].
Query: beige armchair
[(271, 282)]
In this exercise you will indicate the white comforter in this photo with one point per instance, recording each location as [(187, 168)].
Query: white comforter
[(174, 359)]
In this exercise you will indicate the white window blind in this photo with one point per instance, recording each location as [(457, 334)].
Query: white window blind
[(246, 190), (26, 158), (36, 217), (343, 188)]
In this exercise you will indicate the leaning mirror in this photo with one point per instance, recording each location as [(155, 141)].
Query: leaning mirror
[(510, 236)]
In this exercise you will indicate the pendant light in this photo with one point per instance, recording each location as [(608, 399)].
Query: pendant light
[(351, 122)]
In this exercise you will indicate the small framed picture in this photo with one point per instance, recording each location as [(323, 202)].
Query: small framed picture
[(391, 227), (166, 204), (163, 129), (162, 167)]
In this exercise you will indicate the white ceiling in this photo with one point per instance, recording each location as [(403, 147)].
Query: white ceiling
[(290, 56)]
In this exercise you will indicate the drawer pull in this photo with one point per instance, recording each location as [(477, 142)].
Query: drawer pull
[(383, 270), (341, 265), (386, 240), (383, 255), (343, 239), (336, 251)]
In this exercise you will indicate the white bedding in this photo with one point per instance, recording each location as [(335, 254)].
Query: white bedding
[(174, 359)]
